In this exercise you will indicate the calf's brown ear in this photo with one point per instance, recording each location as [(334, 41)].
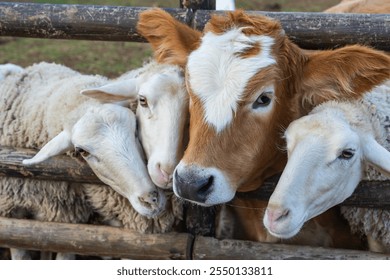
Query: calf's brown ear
[(171, 40), (345, 73)]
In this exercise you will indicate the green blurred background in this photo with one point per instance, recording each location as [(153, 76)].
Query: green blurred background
[(113, 58)]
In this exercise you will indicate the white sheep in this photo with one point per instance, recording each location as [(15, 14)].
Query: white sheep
[(162, 114), (39, 106), (329, 152), (43, 101)]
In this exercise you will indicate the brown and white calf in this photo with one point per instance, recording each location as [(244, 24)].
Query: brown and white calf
[(247, 81)]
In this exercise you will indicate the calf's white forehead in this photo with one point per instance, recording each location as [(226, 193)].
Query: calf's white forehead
[(218, 75)]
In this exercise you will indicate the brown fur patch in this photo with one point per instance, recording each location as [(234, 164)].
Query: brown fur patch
[(252, 51), (345, 73)]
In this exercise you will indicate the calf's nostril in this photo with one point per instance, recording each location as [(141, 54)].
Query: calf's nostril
[(204, 185), (177, 178), (192, 186)]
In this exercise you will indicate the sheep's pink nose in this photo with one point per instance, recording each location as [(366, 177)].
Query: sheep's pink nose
[(164, 175), (276, 215)]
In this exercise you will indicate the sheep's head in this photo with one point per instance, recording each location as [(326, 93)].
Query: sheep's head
[(105, 138), (326, 158), (162, 114)]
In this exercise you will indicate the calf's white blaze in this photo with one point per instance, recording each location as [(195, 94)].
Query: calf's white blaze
[(219, 73)]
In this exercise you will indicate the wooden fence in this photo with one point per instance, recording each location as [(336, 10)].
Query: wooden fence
[(308, 30)]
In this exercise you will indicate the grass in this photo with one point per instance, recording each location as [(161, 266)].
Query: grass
[(113, 58), (106, 58)]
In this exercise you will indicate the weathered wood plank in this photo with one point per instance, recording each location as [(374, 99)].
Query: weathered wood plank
[(206, 248), (374, 194), (118, 23), (370, 194), (59, 168), (87, 22), (93, 240), (324, 31)]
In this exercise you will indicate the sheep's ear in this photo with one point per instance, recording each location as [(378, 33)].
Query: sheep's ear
[(344, 73), (56, 146), (377, 156), (171, 40), (115, 91)]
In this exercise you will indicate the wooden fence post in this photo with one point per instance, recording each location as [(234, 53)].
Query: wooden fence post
[(198, 4)]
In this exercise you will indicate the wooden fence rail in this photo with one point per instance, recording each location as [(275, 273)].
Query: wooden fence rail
[(89, 22), (93, 240), (62, 168)]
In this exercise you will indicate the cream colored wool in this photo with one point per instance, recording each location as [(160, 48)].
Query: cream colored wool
[(114, 209)]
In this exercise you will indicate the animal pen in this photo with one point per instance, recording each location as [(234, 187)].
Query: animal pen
[(82, 22)]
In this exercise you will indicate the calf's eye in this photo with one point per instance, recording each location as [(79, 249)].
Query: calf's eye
[(263, 100), (143, 101)]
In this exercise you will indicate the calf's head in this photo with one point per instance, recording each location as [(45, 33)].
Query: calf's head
[(246, 83)]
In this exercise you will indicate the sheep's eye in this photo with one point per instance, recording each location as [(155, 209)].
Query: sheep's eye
[(81, 152), (263, 100), (347, 154), (143, 101)]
